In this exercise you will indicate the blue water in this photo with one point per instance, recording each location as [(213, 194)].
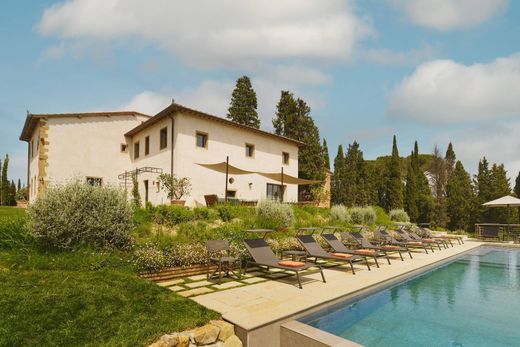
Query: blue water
[(473, 301)]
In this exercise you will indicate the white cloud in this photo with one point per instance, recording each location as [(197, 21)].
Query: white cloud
[(498, 142), (222, 34), (443, 91), (446, 15)]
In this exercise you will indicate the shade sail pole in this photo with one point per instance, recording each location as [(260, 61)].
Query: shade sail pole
[(281, 198), (227, 173)]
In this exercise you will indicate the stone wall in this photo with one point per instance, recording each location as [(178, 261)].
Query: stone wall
[(217, 333)]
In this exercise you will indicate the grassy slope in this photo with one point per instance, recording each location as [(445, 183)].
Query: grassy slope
[(84, 298)]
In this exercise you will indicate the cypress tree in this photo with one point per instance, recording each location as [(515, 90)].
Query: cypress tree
[(500, 187), (243, 105), (326, 159), (12, 194), (136, 196), (354, 177), (19, 185), (394, 186), (482, 184), (438, 174), (517, 186), (450, 158), (425, 203), (1, 190), (286, 113), (337, 190), (459, 196), (5, 182), (411, 193)]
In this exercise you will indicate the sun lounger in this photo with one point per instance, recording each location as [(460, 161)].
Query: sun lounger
[(389, 239), (425, 240), (426, 232), (314, 250), (365, 243), (263, 256), (404, 237), (339, 247)]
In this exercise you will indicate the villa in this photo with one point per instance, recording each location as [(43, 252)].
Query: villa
[(111, 147)]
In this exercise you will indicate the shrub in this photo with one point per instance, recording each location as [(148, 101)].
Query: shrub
[(274, 215), (78, 213), (362, 215), (399, 215), (205, 213), (172, 214), (149, 258), (227, 212), (340, 213)]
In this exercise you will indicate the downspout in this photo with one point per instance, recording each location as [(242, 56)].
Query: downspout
[(171, 149)]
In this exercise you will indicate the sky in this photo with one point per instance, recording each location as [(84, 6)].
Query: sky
[(434, 71)]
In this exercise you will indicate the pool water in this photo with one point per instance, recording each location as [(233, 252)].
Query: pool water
[(473, 301)]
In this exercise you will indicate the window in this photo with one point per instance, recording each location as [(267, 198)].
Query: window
[(136, 150), (250, 150), (275, 191), (231, 194), (147, 145), (145, 191), (285, 158), (95, 181), (164, 138), (124, 147), (202, 140), (32, 149)]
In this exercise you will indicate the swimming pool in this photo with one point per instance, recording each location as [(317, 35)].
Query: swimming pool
[(472, 301)]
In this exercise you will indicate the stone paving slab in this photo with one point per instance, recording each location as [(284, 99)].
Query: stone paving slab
[(227, 285), (198, 284), (196, 291), (253, 280), (176, 288), (197, 277), (170, 282), (273, 300)]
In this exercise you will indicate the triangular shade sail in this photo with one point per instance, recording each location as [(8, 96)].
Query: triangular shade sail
[(276, 176), (505, 201)]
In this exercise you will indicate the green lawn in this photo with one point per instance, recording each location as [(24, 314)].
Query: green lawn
[(84, 298), (6, 211)]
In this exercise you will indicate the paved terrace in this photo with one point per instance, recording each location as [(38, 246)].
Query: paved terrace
[(256, 305)]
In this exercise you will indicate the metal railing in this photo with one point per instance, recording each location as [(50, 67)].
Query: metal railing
[(501, 232)]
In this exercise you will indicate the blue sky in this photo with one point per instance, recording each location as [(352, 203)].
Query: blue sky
[(428, 70)]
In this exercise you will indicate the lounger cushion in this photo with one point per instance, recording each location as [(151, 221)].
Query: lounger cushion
[(342, 255), (365, 251), (390, 247), (414, 243), (290, 263), (428, 240)]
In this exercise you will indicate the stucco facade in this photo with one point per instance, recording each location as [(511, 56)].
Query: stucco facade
[(103, 146)]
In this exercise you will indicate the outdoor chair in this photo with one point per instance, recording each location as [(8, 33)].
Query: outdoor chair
[(365, 243), (218, 253), (339, 247), (489, 232), (315, 251), (263, 255), (211, 200)]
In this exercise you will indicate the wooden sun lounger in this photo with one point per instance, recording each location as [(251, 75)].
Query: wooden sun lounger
[(339, 247)]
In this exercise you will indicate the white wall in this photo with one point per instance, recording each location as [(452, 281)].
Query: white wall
[(33, 152), (88, 146), (225, 140)]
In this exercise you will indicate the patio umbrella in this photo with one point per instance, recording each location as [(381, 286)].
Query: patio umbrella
[(505, 201)]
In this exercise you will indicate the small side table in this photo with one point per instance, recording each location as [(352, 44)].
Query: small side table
[(294, 254)]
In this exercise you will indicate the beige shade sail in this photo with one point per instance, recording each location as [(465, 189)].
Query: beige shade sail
[(276, 176), (505, 201), (232, 170)]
